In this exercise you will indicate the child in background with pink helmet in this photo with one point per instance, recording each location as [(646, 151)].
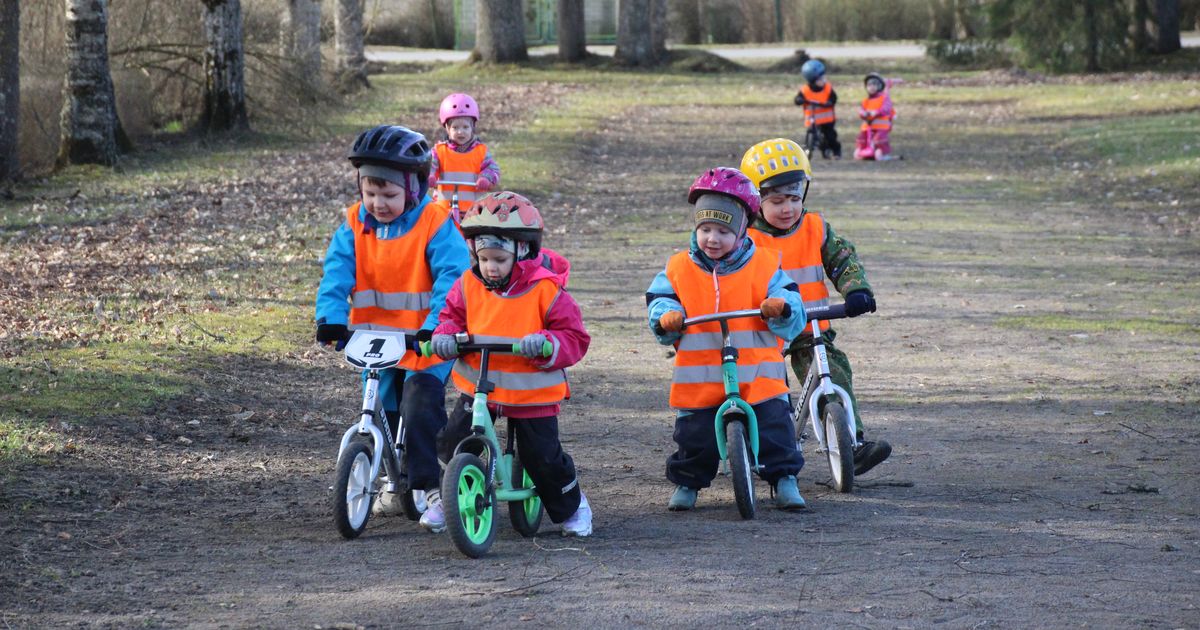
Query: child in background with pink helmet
[(461, 157), (724, 271), (876, 112)]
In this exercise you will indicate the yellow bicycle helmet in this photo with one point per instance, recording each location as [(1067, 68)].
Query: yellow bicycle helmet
[(777, 162)]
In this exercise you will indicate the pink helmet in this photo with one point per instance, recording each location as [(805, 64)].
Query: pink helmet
[(457, 105), (727, 181)]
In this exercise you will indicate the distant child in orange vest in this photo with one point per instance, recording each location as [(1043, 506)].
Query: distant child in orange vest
[(724, 271), (876, 113), (461, 157), (516, 292), (388, 267), (812, 252), (818, 98)]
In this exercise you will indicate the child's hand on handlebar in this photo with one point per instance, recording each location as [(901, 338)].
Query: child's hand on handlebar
[(332, 334), (859, 302), (671, 321), (772, 308), (444, 346), (532, 345), (483, 184)]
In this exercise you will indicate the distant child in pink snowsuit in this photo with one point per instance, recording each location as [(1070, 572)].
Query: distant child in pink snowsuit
[(515, 292), (876, 113)]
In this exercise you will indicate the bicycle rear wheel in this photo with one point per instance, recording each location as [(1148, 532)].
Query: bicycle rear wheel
[(839, 444), (738, 449), (352, 487)]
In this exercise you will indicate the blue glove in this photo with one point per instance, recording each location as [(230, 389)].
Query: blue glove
[(859, 302), (531, 345), (444, 346)]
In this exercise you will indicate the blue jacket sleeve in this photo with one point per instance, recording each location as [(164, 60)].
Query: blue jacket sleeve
[(660, 298), (333, 306), (787, 328), (448, 259)]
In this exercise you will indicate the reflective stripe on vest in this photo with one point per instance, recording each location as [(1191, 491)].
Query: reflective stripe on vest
[(802, 261), (496, 318), (697, 382), (817, 114), (460, 167), (393, 284), (878, 124)]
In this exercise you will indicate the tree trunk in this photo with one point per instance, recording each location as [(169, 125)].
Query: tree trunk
[(1141, 15), (572, 32), (941, 20), (641, 33), (1092, 41), (963, 28), (300, 38), (89, 124), (351, 68), (10, 87), (500, 31), (224, 67), (685, 15), (1166, 16)]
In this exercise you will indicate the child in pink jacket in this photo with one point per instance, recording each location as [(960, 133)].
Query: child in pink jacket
[(516, 290), (877, 114)]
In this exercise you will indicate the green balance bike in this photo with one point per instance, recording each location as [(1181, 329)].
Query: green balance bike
[(827, 406), (479, 475), (362, 454), (736, 424)]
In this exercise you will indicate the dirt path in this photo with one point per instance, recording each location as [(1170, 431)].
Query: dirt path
[(1044, 472)]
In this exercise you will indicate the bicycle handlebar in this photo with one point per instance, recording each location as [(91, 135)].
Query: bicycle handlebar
[(450, 182), (833, 311), (426, 348), (716, 317)]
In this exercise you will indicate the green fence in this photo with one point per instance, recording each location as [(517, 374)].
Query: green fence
[(541, 22)]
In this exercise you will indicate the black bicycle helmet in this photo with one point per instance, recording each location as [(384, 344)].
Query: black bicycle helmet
[(394, 147), (876, 76)]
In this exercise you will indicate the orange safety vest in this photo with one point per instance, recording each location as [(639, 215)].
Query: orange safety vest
[(697, 383), (393, 284), (802, 260), (496, 318), (814, 114), (883, 123), (459, 167)]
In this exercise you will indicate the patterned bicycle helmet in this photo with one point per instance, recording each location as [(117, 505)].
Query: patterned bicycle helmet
[(874, 76), (396, 148), (812, 70), (505, 214), (457, 105), (777, 162), (730, 182)]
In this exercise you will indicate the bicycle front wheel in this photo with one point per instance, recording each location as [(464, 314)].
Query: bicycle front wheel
[(352, 490), (738, 448), (469, 503), (840, 446)]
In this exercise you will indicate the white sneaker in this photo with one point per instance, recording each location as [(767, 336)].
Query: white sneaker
[(434, 519), (580, 523), (386, 504)]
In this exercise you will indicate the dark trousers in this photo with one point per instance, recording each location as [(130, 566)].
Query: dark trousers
[(422, 402), (538, 448), (695, 463), (829, 139)]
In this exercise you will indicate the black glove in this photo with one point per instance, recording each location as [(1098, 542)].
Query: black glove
[(332, 333), (424, 335), (859, 302), (799, 100)]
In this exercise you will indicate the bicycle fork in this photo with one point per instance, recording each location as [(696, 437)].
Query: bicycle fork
[(825, 387), (372, 409)]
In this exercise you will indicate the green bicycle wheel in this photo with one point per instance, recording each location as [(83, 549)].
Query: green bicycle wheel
[(526, 516), (469, 503)]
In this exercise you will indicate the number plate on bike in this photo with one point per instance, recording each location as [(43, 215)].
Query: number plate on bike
[(375, 349)]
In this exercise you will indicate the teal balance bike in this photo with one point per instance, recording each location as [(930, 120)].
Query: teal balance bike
[(479, 475), (736, 424)]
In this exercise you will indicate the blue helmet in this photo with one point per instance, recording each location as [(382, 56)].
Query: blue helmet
[(812, 70), (394, 148)]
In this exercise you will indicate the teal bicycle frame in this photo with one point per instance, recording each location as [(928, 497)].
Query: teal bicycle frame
[(729, 376)]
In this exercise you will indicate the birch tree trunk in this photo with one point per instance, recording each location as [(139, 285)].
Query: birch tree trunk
[(572, 31), (10, 87), (641, 33), (499, 32), (351, 66), (224, 67), (300, 38), (89, 125)]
